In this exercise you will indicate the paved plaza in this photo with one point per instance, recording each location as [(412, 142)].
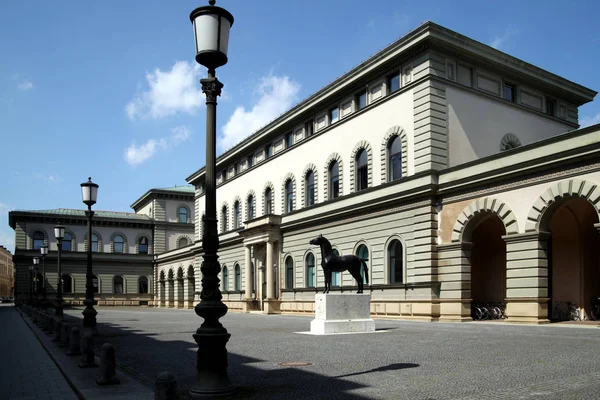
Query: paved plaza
[(401, 360)]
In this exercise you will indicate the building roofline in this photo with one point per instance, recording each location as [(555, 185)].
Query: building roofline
[(426, 32), (53, 214), (143, 199)]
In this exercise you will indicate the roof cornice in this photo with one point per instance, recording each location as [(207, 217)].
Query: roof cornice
[(151, 193)]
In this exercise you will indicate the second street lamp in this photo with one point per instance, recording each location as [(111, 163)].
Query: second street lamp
[(59, 234), (36, 289), (44, 252), (89, 194), (211, 31)]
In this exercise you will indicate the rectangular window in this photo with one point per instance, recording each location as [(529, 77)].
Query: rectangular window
[(335, 187), (550, 107), (236, 168), (509, 92), (289, 140), (268, 151), (393, 83), (465, 75), (334, 115), (450, 71), (361, 100), (250, 161), (309, 128)]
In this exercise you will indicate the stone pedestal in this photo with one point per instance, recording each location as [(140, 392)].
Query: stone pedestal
[(342, 313)]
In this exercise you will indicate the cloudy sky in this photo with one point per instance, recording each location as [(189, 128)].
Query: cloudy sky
[(109, 89)]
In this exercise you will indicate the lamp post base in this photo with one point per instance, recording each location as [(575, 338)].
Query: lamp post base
[(212, 379)]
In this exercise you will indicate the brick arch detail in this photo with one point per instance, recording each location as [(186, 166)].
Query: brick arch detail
[(189, 212), (482, 206), (573, 188), (223, 224), (137, 243), (363, 144), (190, 241), (288, 176), (30, 237), (94, 232), (394, 131), (247, 209), (268, 185), (310, 167), (332, 157), (239, 200), (125, 242)]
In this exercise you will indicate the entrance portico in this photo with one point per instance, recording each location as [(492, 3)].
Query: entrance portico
[(262, 239)]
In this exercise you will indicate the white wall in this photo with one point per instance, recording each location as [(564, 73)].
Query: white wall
[(477, 124)]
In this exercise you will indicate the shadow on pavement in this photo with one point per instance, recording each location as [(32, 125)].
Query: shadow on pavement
[(391, 367)]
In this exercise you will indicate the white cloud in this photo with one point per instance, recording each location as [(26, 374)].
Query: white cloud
[(276, 94), (135, 155), (169, 92), (588, 121), (25, 85), (48, 178), (500, 40)]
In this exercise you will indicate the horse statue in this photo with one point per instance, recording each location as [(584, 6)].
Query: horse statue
[(331, 262)]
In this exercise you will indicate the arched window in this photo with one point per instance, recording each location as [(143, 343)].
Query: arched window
[(67, 243), (289, 196), (142, 285), (224, 219), (238, 277), (334, 180), (309, 182), (95, 285), (118, 244), (118, 285), (225, 279), (182, 242), (363, 253), (362, 170), (237, 215), (268, 201), (310, 270), (289, 273), (183, 214), (395, 254), (250, 206), (38, 240), (143, 245), (94, 243), (67, 284), (336, 277), (394, 159)]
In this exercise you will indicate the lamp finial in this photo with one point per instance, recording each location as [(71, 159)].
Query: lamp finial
[(89, 178), (212, 2)]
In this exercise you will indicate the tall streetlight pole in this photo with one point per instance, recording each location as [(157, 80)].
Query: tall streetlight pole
[(44, 252), (89, 194), (59, 234), (211, 32), (36, 289), (30, 284)]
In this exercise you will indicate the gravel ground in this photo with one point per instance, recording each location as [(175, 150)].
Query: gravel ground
[(401, 360)]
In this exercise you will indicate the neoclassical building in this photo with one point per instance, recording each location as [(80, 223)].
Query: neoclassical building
[(7, 273), (124, 245), (456, 171)]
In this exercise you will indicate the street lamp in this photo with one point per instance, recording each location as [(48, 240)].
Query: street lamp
[(211, 33), (59, 234), (44, 252), (89, 194), (30, 283), (36, 262)]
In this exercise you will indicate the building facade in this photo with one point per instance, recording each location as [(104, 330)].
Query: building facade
[(7, 273), (457, 172), (123, 246)]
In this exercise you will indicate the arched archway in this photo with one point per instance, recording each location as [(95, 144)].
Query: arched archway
[(179, 289), (162, 289), (170, 289)]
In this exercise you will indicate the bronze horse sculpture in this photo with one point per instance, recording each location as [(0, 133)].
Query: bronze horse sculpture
[(330, 262)]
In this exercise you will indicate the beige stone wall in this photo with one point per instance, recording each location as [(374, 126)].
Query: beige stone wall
[(6, 273)]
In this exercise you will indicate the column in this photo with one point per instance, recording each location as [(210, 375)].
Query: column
[(270, 275), (248, 273)]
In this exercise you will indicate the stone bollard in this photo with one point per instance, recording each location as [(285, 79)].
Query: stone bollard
[(64, 335), (57, 330), (87, 351), (165, 387), (108, 366), (74, 345), (50, 324)]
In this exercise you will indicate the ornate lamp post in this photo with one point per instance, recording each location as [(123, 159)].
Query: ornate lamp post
[(89, 194), (44, 252), (211, 31), (59, 234), (36, 262), (30, 283)]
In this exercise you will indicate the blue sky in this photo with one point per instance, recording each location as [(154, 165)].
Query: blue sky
[(110, 89)]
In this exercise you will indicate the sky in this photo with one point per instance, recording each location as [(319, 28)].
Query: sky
[(109, 89)]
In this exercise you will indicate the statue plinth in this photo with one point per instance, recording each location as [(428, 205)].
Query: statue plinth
[(342, 313)]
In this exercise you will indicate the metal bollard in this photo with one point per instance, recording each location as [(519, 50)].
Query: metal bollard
[(165, 387), (87, 351), (64, 335), (57, 330), (74, 345), (108, 366)]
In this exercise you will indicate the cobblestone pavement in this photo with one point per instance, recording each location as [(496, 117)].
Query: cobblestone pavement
[(26, 370), (402, 360)]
